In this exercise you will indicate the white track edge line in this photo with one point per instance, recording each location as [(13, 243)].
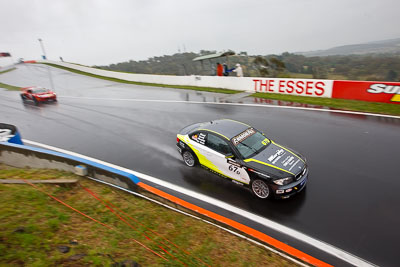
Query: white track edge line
[(203, 220), (238, 104), (330, 249)]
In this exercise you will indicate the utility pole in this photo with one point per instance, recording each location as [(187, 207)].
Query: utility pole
[(48, 68), (44, 52)]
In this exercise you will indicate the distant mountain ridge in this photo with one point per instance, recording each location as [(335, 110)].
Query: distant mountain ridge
[(391, 46)]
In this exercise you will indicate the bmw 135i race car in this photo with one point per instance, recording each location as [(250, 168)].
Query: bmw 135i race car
[(239, 152)]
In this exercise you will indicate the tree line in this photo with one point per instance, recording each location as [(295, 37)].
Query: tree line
[(372, 67)]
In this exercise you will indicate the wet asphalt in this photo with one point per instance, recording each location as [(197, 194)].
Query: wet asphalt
[(352, 199)]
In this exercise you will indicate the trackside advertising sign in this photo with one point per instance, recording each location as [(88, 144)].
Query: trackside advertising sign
[(302, 87), (386, 92)]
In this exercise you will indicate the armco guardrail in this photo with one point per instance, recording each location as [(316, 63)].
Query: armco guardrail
[(26, 156), (386, 92)]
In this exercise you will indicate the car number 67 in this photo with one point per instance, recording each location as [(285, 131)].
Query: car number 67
[(234, 169)]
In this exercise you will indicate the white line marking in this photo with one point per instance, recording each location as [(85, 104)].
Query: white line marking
[(235, 104), (339, 253)]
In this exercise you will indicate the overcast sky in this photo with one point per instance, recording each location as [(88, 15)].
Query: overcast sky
[(101, 32)]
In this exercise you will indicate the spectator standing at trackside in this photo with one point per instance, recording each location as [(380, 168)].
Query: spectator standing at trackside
[(226, 69), (220, 69), (238, 70)]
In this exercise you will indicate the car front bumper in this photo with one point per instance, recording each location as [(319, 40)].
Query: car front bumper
[(45, 99), (286, 191)]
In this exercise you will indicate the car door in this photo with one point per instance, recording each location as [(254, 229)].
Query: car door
[(209, 150), (29, 94), (203, 153), (219, 149)]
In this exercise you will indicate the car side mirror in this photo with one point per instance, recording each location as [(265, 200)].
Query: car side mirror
[(229, 156)]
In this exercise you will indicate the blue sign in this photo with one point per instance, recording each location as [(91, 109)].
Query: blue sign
[(10, 134)]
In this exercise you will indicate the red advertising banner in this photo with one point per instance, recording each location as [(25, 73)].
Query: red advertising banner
[(387, 92)]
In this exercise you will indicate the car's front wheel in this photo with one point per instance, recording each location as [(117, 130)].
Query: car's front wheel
[(260, 188), (189, 158), (35, 101)]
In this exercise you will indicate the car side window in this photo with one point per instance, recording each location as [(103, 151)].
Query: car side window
[(218, 144), (199, 137)]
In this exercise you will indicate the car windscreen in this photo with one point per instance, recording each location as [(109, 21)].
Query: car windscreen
[(250, 142), (39, 91)]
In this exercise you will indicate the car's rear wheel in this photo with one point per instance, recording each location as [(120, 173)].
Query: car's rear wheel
[(188, 158), (260, 188)]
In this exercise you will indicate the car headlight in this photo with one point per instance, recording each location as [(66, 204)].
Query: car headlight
[(283, 181)]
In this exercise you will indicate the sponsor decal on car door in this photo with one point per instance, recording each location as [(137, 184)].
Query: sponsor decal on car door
[(216, 160), (197, 143), (237, 172), (226, 167)]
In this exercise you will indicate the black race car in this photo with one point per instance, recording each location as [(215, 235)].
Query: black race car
[(245, 155)]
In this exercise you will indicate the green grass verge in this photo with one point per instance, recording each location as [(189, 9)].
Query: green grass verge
[(353, 105), (10, 87), (1, 72), (207, 89), (33, 226)]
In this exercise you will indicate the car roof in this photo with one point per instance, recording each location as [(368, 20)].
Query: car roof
[(225, 127)]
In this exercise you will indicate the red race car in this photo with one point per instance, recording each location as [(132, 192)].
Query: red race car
[(37, 94)]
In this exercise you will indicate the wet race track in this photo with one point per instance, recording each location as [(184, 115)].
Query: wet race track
[(351, 201)]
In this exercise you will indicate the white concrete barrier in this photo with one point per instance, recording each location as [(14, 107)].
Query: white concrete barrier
[(6, 68), (306, 87)]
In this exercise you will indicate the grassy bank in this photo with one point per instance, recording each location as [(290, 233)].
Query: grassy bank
[(36, 230), (10, 87), (1, 72), (353, 105)]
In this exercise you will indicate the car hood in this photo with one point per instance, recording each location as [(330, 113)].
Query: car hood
[(277, 160), (44, 93)]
